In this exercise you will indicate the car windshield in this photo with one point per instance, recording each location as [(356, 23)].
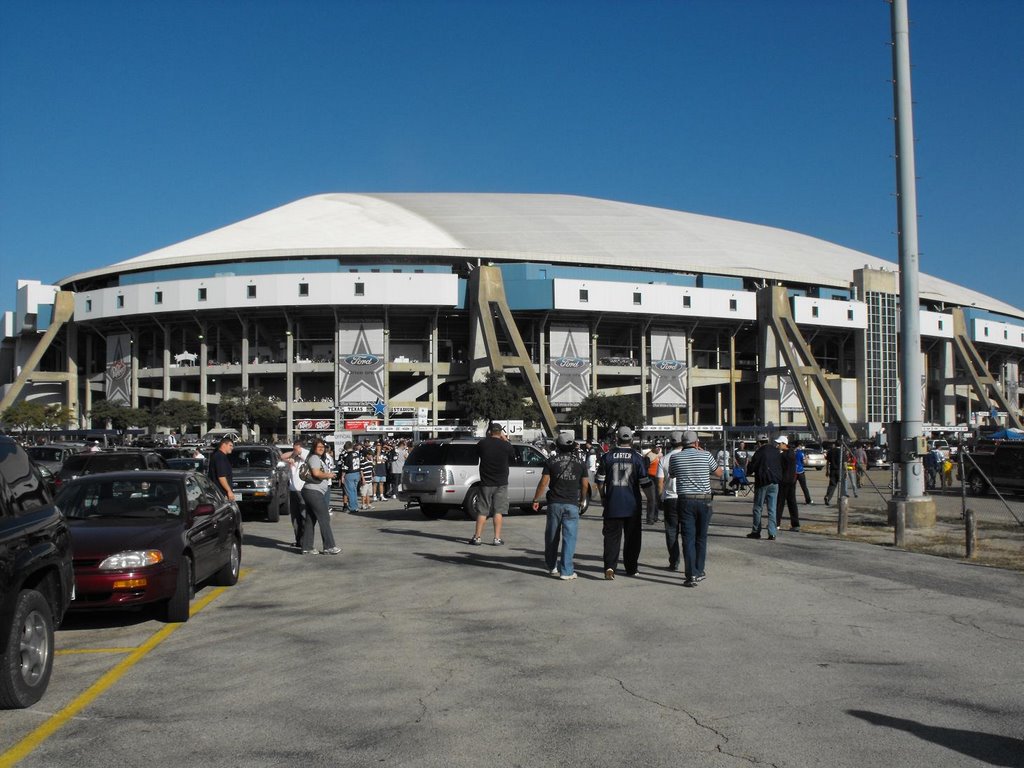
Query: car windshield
[(122, 498), (40, 453), (246, 458)]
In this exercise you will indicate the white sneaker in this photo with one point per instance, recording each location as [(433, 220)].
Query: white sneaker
[(570, 577), (553, 571)]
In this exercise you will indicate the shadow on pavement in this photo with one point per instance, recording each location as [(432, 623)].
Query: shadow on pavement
[(987, 747)]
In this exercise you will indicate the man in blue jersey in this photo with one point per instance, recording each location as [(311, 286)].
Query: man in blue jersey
[(621, 473), (692, 469)]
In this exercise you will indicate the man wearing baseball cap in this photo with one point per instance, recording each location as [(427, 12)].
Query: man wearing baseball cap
[(620, 475), (566, 485), (766, 467), (692, 469), (496, 455)]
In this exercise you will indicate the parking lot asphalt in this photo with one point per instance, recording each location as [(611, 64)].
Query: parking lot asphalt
[(413, 648)]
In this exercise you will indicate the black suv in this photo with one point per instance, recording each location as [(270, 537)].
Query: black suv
[(93, 462), (36, 577), (259, 478), (995, 464)]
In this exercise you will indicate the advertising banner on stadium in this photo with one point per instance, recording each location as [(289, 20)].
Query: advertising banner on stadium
[(119, 369), (669, 371), (569, 365), (789, 397), (360, 363)]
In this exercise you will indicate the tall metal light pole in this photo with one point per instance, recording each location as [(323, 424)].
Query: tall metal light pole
[(920, 510)]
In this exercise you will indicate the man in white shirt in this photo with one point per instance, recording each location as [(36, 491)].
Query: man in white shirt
[(296, 506), (667, 494)]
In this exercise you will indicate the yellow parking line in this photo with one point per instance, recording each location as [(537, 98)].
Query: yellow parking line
[(23, 748)]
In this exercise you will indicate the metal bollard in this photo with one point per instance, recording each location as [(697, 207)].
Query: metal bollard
[(901, 524), (971, 531), (843, 504)]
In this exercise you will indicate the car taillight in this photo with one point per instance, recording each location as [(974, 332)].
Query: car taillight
[(447, 478)]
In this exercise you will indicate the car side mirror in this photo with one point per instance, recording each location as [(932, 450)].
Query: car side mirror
[(204, 510)]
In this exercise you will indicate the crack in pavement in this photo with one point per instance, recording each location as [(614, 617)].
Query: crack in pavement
[(718, 747), (973, 624)]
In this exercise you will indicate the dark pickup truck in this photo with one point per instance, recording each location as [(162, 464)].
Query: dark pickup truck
[(36, 577), (1001, 463)]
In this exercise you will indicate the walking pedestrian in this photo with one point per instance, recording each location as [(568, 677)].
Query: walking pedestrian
[(667, 495), (220, 467), (801, 478), (564, 483), (766, 466), (495, 455), (317, 512), (620, 475), (787, 486), (296, 506), (652, 460), (692, 469), (350, 466)]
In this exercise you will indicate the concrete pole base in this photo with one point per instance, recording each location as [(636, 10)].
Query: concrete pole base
[(920, 512)]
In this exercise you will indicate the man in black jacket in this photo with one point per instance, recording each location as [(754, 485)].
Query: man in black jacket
[(766, 467)]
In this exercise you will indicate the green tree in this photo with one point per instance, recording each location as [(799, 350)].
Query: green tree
[(117, 415), (25, 415), (57, 416), (495, 398), (247, 407), (607, 412), (180, 414)]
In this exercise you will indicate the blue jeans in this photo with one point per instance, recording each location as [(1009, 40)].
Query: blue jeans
[(766, 495), (695, 516), (563, 519), (352, 490), (672, 509)]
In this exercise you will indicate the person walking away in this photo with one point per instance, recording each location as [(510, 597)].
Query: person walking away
[(496, 456), (350, 466), (667, 494), (860, 453), (220, 467), (317, 512), (620, 475), (652, 460), (331, 467), (834, 468), (787, 486), (397, 463), (766, 467), (366, 479), (692, 469), (801, 478), (380, 473), (296, 506), (565, 485)]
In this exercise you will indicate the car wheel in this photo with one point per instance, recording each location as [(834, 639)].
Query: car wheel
[(433, 511), (470, 504), (176, 608), (227, 576), (274, 509), (27, 658), (976, 484)]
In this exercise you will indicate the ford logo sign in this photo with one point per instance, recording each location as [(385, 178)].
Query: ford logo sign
[(571, 362), (363, 359), (669, 365)]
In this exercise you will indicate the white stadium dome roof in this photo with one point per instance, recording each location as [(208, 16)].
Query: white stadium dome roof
[(560, 229)]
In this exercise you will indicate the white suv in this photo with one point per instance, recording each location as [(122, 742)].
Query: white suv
[(445, 474)]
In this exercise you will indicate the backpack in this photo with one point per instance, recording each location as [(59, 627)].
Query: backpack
[(304, 473)]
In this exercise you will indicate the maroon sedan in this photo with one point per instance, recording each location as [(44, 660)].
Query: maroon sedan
[(143, 538)]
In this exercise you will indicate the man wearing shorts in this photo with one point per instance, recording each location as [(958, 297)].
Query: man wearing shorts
[(496, 455)]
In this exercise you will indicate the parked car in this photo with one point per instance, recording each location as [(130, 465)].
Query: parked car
[(50, 455), (214, 436), (187, 463), (995, 464), (814, 456), (878, 457), (36, 580), (108, 461), (260, 479), (445, 474), (143, 538)]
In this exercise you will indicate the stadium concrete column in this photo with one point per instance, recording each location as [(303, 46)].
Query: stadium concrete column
[(132, 336), (947, 375), (643, 371), (71, 390), (165, 379), (203, 366), (245, 356), (87, 389), (289, 377), (434, 384)]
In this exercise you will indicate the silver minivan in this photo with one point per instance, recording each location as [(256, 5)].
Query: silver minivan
[(441, 475)]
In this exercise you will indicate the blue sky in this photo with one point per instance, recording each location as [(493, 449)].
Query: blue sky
[(127, 126)]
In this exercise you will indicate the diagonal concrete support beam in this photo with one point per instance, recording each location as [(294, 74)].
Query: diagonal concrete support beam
[(488, 306), (977, 372), (63, 309)]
